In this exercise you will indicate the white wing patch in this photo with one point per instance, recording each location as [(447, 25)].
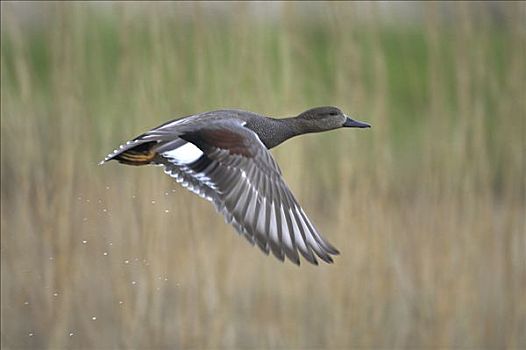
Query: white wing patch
[(185, 154)]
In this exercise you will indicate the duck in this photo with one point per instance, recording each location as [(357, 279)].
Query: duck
[(224, 157)]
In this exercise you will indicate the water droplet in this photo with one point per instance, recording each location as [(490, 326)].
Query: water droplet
[(107, 187), (55, 294), (79, 198), (166, 211), (85, 219), (51, 258), (26, 302), (99, 201), (133, 196), (87, 200), (126, 261), (71, 334), (165, 193), (173, 190), (84, 242), (110, 243), (105, 253), (121, 302), (153, 202), (30, 334), (165, 279), (105, 210), (134, 283), (94, 318)]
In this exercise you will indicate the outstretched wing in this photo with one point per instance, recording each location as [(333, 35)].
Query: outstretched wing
[(228, 164)]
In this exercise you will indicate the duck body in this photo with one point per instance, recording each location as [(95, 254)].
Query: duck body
[(223, 157)]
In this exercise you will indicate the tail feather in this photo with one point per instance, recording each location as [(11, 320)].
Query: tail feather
[(136, 152)]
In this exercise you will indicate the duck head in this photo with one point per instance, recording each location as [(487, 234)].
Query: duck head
[(327, 118)]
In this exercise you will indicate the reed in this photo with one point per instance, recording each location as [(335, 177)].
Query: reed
[(427, 207)]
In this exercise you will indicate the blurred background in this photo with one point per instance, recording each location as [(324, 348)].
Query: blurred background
[(427, 207)]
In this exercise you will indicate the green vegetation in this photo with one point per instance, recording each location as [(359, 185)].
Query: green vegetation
[(427, 207)]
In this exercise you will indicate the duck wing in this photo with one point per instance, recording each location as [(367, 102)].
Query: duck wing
[(251, 193)]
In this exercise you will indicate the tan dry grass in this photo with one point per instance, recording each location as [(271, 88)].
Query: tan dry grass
[(431, 224)]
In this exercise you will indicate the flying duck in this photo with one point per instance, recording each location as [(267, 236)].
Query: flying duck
[(223, 156)]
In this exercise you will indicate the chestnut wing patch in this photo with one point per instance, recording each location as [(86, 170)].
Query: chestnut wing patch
[(223, 138)]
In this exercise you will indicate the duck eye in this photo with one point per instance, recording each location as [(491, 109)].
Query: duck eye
[(333, 113)]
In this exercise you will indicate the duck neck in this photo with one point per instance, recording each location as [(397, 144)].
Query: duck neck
[(281, 130)]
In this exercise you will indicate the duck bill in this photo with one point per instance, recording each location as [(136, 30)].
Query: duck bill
[(351, 123)]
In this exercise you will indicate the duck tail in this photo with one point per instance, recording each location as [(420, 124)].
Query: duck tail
[(136, 152)]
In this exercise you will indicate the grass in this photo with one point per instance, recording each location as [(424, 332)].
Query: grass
[(427, 207)]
